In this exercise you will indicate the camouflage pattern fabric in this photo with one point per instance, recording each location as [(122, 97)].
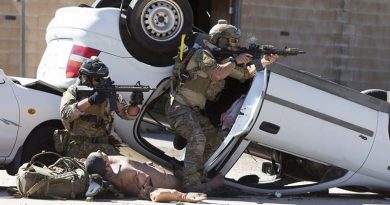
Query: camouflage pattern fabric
[(196, 91), (97, 119), (201, 65), (214, 90), (240, 73), (202, 137), (81, 147), (89, 131), (186, 118)]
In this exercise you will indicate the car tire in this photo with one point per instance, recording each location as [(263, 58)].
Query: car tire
[(377, 93), (159, 24), (143, 54), (40, 139), (13, 167)]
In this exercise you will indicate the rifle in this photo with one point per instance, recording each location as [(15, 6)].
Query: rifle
[(257, 51), (106, 85)]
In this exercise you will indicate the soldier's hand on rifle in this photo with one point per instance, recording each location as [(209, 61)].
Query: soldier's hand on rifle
[(269, 59), (251, 71), (136, 98), (243, 58), (97, 97)]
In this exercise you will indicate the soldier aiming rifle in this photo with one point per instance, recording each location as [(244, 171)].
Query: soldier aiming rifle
[(256, 52), (87, 109), (108, 87)]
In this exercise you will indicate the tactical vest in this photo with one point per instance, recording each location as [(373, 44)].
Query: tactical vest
[(95, 122), (191, 79), (180, 72)]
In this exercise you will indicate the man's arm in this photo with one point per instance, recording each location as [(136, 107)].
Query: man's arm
[(167, 195), (126, 111), (222, 71), (83, 105), (225, 69), (68, 109)]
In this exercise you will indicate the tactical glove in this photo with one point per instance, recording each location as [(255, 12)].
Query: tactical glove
[(136, 98), (96, 98)]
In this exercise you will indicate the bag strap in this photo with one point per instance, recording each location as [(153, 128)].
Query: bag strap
[(36, 187), (32, 161), (68, 164)]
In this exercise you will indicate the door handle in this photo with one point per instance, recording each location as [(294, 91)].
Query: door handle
[(269, 127)]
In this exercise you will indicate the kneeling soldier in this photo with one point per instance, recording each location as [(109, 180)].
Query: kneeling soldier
[(88, 119)]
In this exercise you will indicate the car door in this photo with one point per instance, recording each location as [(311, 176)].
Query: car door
[(9, 116), (307, 116)]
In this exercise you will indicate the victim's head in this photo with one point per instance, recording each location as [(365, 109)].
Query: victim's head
[(98, 163)]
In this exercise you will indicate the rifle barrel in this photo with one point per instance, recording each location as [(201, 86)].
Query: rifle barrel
[(131, 88)]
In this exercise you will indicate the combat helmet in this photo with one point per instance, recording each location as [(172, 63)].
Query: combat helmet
[(222, 32), (93, 68)]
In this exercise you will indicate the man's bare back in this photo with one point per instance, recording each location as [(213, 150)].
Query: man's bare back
[(137, 178), (144, 180)]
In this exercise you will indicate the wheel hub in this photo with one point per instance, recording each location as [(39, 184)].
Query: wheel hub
[(162, 20)]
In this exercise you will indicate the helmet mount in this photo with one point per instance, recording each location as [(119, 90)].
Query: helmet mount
[(222, 32), (93, 68)]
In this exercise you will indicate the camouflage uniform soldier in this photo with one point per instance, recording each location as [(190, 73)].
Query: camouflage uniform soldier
[(89, 120), (204, 81)]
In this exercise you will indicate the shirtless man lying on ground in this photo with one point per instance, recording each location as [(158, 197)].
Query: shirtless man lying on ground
[(143, 180)]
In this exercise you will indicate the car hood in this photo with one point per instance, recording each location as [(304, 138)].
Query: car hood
[(36, 84)]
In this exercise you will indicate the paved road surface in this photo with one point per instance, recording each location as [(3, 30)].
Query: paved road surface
[(336, 196)]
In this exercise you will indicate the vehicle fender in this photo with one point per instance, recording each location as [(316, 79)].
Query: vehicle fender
[(13, 166), (36, 107)]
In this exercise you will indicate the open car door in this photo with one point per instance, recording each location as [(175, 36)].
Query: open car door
[(307, 116), (313, 121)]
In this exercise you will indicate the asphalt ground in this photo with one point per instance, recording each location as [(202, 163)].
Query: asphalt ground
[(335, 196)]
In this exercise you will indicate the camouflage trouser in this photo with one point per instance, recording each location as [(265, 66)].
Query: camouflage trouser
[(203, 138), (80, 148)]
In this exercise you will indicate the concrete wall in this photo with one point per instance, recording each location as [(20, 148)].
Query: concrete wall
[(38, 15), (347, 41)]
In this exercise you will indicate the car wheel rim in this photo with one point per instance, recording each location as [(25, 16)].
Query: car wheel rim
[(162, 20)]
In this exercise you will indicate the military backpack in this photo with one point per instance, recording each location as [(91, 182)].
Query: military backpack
[(65, 179)]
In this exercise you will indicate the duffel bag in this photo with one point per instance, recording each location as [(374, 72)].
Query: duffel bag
[(65, 179)]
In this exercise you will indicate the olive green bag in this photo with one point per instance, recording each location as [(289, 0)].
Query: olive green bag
[(65, 179)]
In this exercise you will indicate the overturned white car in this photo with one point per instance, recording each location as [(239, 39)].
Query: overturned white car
[(296, 127)]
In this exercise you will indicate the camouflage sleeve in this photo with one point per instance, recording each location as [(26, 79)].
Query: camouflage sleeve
[(239, 73), (205, 61), (122, 108), (68, 109)]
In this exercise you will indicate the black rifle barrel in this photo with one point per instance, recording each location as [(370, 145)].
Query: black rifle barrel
[(133, 88), (257, 51)]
